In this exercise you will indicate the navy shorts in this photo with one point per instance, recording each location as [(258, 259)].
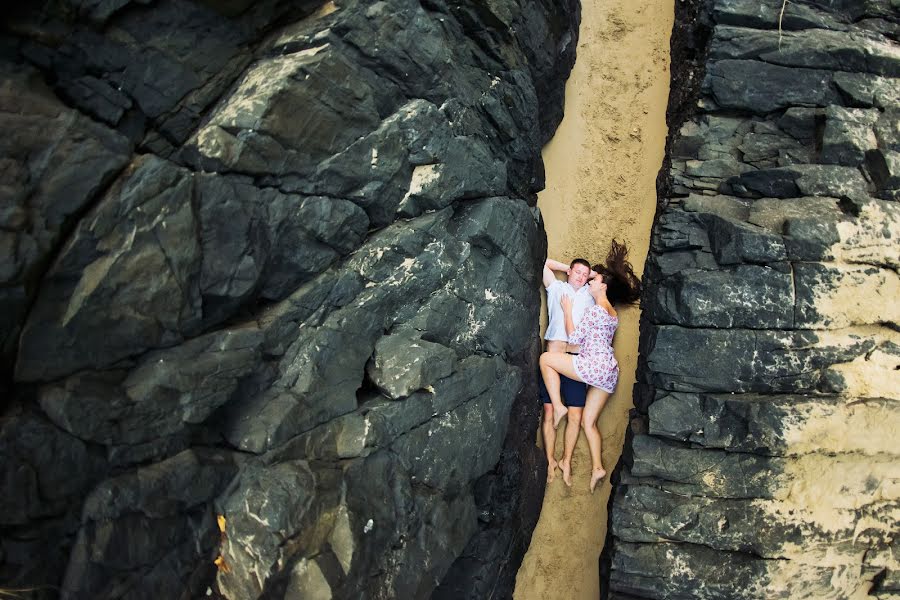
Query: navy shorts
[(574, 393)]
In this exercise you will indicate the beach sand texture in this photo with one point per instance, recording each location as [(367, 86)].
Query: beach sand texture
[(601, 183)]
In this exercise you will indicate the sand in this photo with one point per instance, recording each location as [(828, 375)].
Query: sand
[(601, 183)]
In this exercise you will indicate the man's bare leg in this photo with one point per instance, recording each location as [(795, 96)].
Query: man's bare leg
[(552, 365), (596, 400), (549, 432), (573, 430)]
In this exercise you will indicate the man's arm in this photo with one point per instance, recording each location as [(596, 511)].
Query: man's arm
[(551, 265)]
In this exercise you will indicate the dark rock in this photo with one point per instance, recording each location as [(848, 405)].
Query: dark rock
[(800, 123), (380, 421), (645, 571), (47, 468), (867, 91), (748, 296), (261, 242), (268, 505), (782, 361), (734, 242), (848, 135), (803, 180), (808, 49), (887, 130), (403, 364), (761, 88), (254, 131), (314, 178), (884, 167), (728, 207), (100, 282), (747, 13), (54, 162), (149, 532), (763, 424), (768, 318), (164, 393)]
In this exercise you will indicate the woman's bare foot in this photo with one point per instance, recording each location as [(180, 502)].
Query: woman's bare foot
[(558, 415), (596, 476), (566, 467), (551, 471)]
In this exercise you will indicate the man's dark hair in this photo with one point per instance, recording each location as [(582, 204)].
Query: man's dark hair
[(580, 261)]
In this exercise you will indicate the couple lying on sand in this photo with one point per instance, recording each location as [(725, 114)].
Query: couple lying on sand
[(579, 363)]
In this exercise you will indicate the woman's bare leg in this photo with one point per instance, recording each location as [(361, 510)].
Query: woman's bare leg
[(573, 430), (596, 400), (552, 365), (549, 442)]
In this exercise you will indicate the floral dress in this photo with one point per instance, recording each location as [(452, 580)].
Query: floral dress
[(596, 365)]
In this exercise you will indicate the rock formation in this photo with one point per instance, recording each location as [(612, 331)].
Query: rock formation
[(762, 460), (272, 268)]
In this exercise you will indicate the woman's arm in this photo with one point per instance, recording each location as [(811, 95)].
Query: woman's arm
[(580, 334)]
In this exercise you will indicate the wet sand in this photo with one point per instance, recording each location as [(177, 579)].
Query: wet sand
[(601, 183)]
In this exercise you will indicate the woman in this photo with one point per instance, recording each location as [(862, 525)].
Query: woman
[(616, 284)]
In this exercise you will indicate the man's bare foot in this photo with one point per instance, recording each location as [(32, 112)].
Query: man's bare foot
[(558, 415), (566, 467), (596, 476), (551, 470)]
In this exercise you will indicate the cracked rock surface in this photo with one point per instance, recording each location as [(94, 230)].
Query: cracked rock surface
[(273, 267)]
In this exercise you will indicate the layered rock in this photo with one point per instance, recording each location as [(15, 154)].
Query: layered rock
[(761, 460), (269, 277)]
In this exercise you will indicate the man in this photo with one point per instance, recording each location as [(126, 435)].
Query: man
[(574, 392)]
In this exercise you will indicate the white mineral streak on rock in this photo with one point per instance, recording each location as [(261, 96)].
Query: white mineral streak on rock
[(247, 108), (423, 176)]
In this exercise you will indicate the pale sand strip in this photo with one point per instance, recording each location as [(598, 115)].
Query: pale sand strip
[(601, 182)]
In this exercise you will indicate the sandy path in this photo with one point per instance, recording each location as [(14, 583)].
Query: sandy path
[(601, 182)]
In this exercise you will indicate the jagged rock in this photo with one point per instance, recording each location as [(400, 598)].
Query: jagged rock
[(164, 393), (151, 532), (261, 242), (884, 166), (803, 180), (380, 421), (808, 49), (770, 425), (848, 135), (313, 177), (144, 224), (826, 296), (55, 161), (769, 337), (734, 242), (782, 361), (47, 468), (748, 296), (763, 16), (761, 88), (269, 504), (402, 365)]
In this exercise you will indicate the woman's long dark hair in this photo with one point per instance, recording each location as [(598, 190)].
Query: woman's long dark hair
[(622, 285)]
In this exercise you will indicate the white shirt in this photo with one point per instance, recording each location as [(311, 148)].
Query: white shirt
[(556, 326)]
